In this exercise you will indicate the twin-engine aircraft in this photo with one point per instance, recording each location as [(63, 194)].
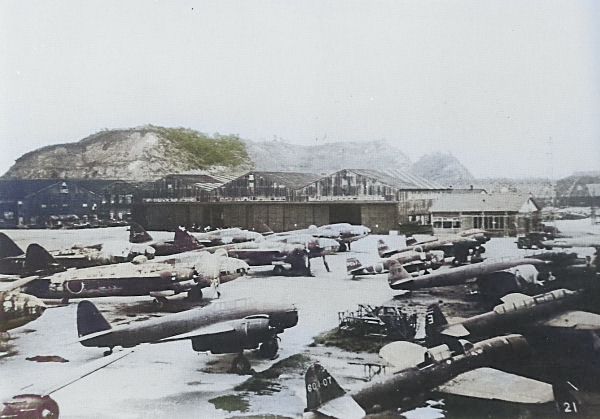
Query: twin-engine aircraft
[(491, 272), (461, 247), (221, 327), (467, 367), (13, 258), (17, 308), (162, 277)]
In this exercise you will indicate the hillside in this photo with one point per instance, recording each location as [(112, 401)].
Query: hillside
[(137, 154), (325, 158)]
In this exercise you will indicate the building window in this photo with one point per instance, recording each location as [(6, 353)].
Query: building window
[(446, 222)]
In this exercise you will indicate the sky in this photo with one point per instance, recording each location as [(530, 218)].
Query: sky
[(509, 87)]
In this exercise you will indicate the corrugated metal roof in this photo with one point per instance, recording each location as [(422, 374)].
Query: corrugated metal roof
[(480, 202), (292, 180), (399, 179)]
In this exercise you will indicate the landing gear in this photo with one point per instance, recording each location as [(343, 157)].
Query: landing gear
[(195, 294), (343, 247), (278, 270), (160, 302), (240, 365), (49, 410), (269, 348), (108, 352)]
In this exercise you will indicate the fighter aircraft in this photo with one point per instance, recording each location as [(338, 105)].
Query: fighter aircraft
[(222, 327), (190, 272), (343, 233), (465, 368), (411, 260), (17, 308), (461, 248), (400, 279), (225, 236)]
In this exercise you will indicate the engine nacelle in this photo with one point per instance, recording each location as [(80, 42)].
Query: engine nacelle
[(247, 333)]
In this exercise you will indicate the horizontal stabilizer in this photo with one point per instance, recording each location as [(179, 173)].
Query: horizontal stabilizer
[(456, 330), (515, 298), (581, 320), (344, 407), (492, 384), (403, 355)]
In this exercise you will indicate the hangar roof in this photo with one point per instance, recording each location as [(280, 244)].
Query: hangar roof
[(481, 202)]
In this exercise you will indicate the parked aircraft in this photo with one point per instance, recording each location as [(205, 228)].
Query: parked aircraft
[(411, 260), (17, 308), (400, 279), (12, 260), (190, 273), (222, 327), (590, 240), (560, 308), (465, 368), (224, 236), (343, 233), (461, 248)]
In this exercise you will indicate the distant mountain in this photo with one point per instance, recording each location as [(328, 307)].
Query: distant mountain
[(148, 153), (137, 154), (443, 168), (325, 158)]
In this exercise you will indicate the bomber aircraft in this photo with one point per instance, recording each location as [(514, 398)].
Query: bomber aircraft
[(465, 368), (461, 248), (188, 272), (221, 327), (400, 279), (17, 308)]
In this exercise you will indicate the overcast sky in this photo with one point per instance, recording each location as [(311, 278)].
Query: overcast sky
[(511, 88)]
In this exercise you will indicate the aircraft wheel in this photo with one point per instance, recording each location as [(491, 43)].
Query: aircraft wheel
[(49, 410), (195, 294), (159, 302), (108, 352), (241, 365), (278, 270), (269, 348), (343, 247)]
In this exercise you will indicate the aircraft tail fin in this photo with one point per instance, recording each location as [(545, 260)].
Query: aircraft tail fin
[(434, 320), (184, 241), (352, 264), (38, 260), (137, 234), (398, 278), (89, 319), (8, 248), (382, 248), (566, 399), (325, 396)]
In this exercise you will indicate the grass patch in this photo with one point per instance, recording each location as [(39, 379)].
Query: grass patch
[(231, 403), (349, 343), (202, 151)]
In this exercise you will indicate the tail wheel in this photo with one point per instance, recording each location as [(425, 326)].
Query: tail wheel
[(278, 270), (195, 294), (269, 348)]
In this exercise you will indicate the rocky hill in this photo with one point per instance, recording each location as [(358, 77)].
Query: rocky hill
[(137, 154), (443, 168), (325, 158), (149, 153)]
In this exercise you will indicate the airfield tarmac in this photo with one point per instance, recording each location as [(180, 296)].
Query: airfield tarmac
[(171, 380)]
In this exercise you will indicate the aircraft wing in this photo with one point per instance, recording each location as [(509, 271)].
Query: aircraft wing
[(581, 320), (493, 384), (213, 329), (16, 284)]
